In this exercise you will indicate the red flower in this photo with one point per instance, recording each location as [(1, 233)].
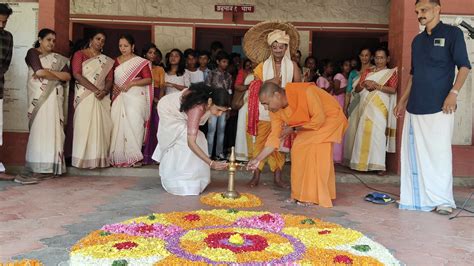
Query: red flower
[(125, 245), (266, 218), (145, 228), (342, 259), (324, 232), (192, 217), (221, 240)]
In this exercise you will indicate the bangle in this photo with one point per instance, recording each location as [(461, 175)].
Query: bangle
[(454, 91), (210, 163)]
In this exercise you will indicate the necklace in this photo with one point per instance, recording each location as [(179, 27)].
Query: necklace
[(92, 52)]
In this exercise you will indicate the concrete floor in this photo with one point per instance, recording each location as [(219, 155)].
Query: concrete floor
[(43, 221)]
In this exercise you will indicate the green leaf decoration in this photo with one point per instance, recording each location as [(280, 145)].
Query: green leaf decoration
[(120, 263), (232, 211), (308, 221), (103, 233), (362, 248)]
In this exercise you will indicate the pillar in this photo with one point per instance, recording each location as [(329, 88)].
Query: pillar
[(403, 27), (54, 14)]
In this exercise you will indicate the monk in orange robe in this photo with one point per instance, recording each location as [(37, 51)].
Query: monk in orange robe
[(318, 121)]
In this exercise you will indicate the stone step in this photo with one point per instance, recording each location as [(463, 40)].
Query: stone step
[(343, 175)]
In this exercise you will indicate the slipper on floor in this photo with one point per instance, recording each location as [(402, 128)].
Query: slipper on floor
[(379, 198)]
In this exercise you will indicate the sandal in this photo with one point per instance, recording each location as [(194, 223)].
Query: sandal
[(444, 210), (379, 198)]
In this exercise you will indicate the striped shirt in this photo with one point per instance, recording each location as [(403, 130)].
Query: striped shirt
[(6, 48)]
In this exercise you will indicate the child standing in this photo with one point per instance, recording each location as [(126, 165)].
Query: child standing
[(218, 78), (193, 73)]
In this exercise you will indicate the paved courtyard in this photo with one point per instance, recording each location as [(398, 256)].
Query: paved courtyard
[(43, 221)]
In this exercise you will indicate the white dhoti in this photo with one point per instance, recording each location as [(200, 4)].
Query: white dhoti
[(241, 152), (426, 162), (2, 168)]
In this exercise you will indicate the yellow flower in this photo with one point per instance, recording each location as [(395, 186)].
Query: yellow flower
[(281, 249), (316, 256), (194, 235), (24, 262), (246, 200), (146, 247), (311, 237), (217, 254), (232, 217), (150, 219), (95, 238), (205, 219), (236, 239)]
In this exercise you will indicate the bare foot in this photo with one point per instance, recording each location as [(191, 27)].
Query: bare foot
[(255, 179), (290, 200), (305, 204), (6, 177), (277, 180)]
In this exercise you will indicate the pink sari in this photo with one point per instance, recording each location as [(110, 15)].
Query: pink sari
[(322, 82)]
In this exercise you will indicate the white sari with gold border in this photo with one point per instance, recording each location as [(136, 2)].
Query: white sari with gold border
[(375, 130)]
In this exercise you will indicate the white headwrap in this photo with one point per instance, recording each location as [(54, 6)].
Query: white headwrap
[(286, 72)]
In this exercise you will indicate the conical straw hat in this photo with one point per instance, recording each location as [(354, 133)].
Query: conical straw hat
[(255, 43)]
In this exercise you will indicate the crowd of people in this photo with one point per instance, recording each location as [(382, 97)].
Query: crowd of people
[(136, 109)]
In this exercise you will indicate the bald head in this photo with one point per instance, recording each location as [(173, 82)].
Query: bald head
[(272, 97), (269, 88)]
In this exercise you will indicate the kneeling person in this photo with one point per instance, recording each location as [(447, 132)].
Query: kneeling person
[(185, 167), (319, 122)]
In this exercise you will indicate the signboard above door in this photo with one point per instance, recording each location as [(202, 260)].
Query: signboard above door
[(235, 8)]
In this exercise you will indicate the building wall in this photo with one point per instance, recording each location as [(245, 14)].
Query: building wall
[(169, 37), (403, 28), (340, 11)]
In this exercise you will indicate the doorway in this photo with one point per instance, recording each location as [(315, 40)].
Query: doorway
[(231, 39), (339, 46), (141, 33)]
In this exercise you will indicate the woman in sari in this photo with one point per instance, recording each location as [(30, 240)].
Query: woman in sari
[(48, 75), (375, 132), (175, 78), (182, 148), (340, 84), (351, 102), (93, 73), (131, 105), (158, 74)]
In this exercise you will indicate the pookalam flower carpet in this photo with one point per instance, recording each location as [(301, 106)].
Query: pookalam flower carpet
[(230, 237)]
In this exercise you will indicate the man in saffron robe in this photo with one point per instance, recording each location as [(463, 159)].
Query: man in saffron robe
[(318, 121)]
